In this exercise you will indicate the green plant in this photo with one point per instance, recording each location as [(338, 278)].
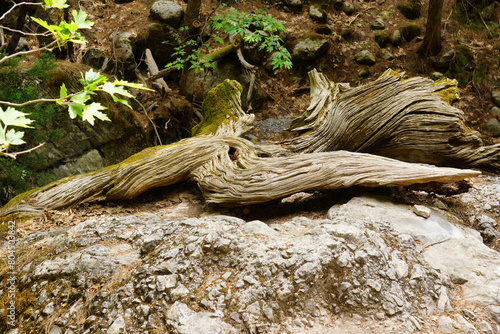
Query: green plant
[(258, 28), (79, 104)]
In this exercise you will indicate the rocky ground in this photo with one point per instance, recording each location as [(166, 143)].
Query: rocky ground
[(365, 265)]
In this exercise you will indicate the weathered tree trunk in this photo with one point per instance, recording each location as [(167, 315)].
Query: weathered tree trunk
[(232, 170), (431, 45), (409, 120)]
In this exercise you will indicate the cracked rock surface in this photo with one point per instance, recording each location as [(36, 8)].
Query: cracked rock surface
[(368, 266)]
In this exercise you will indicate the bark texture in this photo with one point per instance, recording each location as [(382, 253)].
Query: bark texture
[(409, 120), (234, 171), (431, 45)]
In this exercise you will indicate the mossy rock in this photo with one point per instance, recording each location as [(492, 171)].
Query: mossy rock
[(411, 9), (382, 39), (218, 107), (459, 63), (161, 39), (323, 29), (309, 47), (410, 31)]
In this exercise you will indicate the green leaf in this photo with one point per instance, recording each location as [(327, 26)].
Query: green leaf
[(111, 89), (80, 98), (44, 24), (91, 77), (14, 137), (14, 117), (61, 4), (80, 19), (93, 111), (75, 109), (63, 91), (130, 84)]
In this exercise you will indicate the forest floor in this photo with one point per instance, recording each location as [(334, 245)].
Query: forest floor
[(286, 94)]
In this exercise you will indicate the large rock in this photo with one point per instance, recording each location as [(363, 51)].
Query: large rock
[(495, 94), (364, 57), (310, 47), (161, 39), (427, 231), (456, 251), (469, 260), (316, 13), (183, 320), (168, 12), (493, 126), (202, 271)]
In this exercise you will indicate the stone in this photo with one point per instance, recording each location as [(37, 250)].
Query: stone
[(165, 282), (387, 55), (445, 324), (258, 227), (494, 311), (290, 6), (22, 45), (396, 38), (488, 11), (117, 327), (410, 32), (469, 314), (493, 126), (495, 94), (345, 32), (378, 24), (317, 14), (181, 319), (471, 260), (411, 9), (437, 76), (382, 39), (150, 242), (161, 39), (489, 234), (310, 47), (124, 42), (168, 12), (55, 330), (422, 211), (364, 72), (364, 57), (464, 325), (48, 309), (443, 303), (495, 111), (485, 327), (348, 8), (230, 68), (429, 231), (179, 292), (88, 162), (323, 29)]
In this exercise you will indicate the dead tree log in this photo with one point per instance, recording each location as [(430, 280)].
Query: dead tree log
[(409, 120), (227, 168)]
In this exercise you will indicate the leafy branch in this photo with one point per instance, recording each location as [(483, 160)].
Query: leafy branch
[(258, 28), (79, 104)]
